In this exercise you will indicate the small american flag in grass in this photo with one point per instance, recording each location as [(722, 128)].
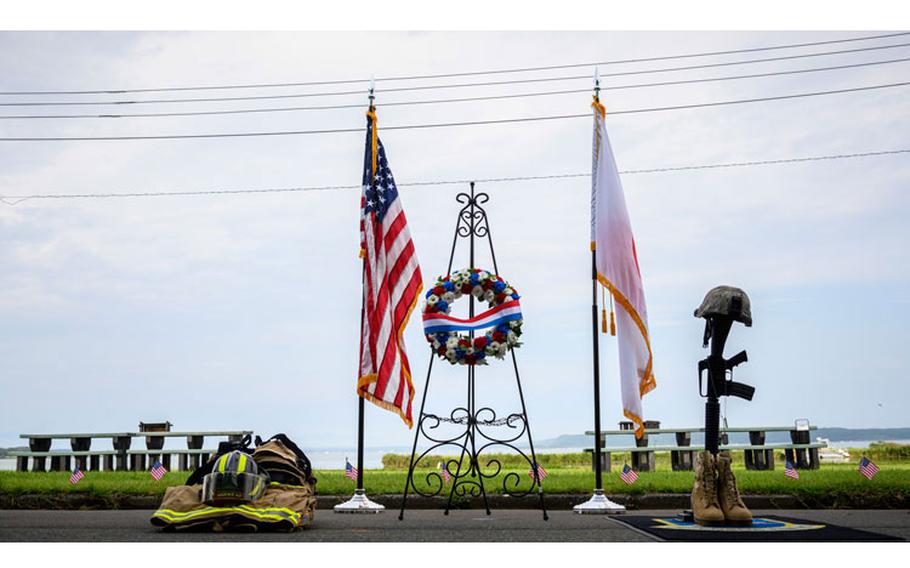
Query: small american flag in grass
[(445, 473), (157, 470), (350, 471), (628, 475), (790, 471), (76, 476), (541, 473), (867, 468)]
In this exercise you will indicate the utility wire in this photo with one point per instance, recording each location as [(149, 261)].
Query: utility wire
[(445, 124), (461, 74), (19, 198), (361, 92), (455, 100)]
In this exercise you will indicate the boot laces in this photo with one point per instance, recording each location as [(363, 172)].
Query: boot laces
[(710, 481), (730, 484)]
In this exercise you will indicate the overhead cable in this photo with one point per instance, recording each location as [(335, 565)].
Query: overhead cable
[(444, 124), (453, 100), (458, 74), (361, 92), (19, 198)]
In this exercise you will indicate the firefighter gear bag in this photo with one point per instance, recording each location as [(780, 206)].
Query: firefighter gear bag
[(282, 508), (288, 502), (283, 461)]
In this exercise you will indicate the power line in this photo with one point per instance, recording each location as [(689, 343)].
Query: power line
[(446, 124), (459, 99), (19, 198), (444, 86), (460, 74)]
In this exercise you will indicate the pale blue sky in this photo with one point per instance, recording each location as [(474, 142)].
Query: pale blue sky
[(242, 311)]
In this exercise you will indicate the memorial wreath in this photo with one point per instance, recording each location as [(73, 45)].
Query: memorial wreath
[(502, 320)]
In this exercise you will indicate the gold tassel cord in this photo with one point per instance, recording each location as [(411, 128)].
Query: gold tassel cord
[(603, 313), (612, 318)]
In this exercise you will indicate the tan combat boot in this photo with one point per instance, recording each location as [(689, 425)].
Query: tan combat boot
[(705, 506), (735, 512)]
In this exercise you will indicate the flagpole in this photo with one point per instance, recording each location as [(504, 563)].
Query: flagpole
[(360, 503), (360, 404), (598, 503), (598, 452)]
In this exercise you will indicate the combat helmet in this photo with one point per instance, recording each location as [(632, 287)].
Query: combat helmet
[(726, 301), (235, 479)]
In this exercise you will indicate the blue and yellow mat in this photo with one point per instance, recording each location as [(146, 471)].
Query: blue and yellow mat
[(769, 528)]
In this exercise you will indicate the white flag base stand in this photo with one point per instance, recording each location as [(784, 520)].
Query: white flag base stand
[(598, 504), (359, 503)]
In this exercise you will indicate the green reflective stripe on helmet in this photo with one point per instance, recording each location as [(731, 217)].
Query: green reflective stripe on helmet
[(222, 462), (235, 462)]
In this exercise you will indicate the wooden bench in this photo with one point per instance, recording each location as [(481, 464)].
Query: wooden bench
[(121, 457), (758, 455)]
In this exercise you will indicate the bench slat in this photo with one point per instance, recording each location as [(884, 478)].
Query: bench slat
[(172, 434), (690, 430), (63, 453), (732, 447), (78, 435), (170, 451), (137, 434)]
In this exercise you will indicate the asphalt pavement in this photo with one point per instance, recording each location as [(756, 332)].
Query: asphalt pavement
[(417, 526)]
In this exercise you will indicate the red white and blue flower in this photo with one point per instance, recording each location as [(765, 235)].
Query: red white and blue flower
[(502, 321)]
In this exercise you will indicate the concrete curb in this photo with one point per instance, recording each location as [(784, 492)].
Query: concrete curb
[(556, 502)]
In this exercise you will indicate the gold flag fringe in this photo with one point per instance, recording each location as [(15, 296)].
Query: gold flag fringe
[(612, 318)]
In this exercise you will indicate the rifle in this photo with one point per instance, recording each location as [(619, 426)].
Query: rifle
[(721, 307)]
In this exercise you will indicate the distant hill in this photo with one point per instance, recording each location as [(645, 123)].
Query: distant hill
[(4, 452), (831, 433), (856, 434), (566, 441)]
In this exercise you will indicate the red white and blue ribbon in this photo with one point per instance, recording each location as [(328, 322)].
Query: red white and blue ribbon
[(503, 313)]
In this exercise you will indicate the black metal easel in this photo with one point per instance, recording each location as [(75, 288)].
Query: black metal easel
[(473, 425)]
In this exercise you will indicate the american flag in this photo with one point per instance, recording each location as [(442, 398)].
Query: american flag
[(76, 476), (541, 473), (350, 471), (867, 468), (790, 470), (157, 470), (445, 473), (391, 284), (628, 475)]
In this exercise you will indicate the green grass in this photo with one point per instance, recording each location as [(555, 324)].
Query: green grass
[(830, 484), (102, 483)]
